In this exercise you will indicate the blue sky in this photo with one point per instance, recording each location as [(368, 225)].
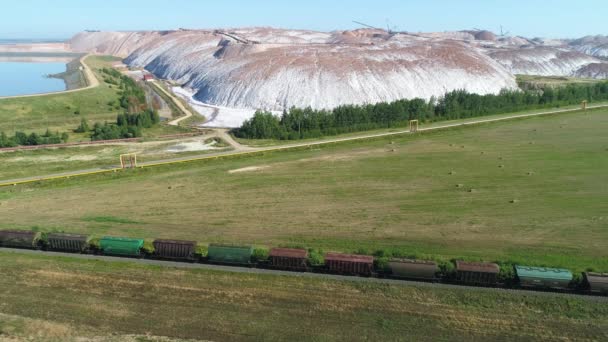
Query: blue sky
[(532, 18)]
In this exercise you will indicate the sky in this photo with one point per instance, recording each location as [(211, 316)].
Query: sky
[(61, 19)]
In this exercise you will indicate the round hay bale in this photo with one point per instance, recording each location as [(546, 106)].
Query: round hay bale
[(514, 201), (501, 166), (472, 190), (530, 173), (459, 185), (452, 173)]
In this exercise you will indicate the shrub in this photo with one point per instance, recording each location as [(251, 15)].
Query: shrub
[(260, 254), (315, 257)]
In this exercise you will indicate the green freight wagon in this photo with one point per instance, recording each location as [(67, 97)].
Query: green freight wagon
[(543, 277), (228, 254), (121, 246), (19, 239), (67, 242)]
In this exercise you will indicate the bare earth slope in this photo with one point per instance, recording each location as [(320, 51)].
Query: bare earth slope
[(276, 69)]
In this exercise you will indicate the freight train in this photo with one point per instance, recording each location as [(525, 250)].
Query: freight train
[(297, 260)]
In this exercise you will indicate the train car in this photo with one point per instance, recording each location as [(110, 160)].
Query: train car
[(67, 242), (229, 254), (477, 273), (121, 246), (413, 269), (596, 282), (19, 239), (175, 249), (543, 277), (290, 259), (349, 264)]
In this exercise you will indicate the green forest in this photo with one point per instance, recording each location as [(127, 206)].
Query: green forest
[(309, 123)]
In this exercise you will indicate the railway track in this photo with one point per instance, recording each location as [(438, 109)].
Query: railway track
[(261, 271), (257, 150)]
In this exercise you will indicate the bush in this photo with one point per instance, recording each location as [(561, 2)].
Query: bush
[(315, 257), (260, 254), (202, 250)]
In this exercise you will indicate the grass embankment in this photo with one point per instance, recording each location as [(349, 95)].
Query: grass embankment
[(64, 299), (529, 191)]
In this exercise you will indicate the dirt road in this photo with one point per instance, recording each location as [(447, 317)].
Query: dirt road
[(177, 103)]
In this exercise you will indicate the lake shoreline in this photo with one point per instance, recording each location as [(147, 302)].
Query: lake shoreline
[(88, 79)]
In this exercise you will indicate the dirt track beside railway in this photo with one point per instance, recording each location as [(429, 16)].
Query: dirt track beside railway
[(247, 270)]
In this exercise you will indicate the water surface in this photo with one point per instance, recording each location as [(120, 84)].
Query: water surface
[(19, 78)]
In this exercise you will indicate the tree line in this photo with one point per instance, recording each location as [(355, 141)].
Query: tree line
[(304, 123), (23, 139), (126, 126)]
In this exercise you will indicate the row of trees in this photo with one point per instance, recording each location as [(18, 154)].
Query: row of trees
[(308, 123), (126, 126), (23, 139)]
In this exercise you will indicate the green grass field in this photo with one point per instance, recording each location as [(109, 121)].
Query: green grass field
[(529, 191), (22, 164), (62, 299)]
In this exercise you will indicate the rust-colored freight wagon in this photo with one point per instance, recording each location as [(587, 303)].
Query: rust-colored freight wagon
[(175, 249), (67, 242), (597, 282), (289, 259), (350, 264), (413, 269), (479, 273), (19, 239)]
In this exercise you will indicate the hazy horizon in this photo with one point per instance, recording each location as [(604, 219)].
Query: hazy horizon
[(61, 19)]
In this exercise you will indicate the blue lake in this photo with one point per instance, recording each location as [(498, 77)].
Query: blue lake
[(19, 78)]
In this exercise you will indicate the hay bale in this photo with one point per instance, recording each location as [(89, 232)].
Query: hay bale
[(452, 172), (501, 166), (514, 201), (459, 185), (530, 173), (472, 190)]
